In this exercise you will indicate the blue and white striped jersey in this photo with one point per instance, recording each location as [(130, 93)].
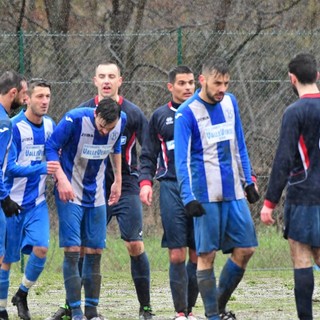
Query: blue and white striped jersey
[(5, 138), (83, 153), (27, 169), (211, 158)]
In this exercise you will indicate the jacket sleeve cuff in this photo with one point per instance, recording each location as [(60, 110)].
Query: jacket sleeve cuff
[(269, 204), (145, 183)]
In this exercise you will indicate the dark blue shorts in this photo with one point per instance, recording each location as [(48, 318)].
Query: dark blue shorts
[(302, 224), (81, 226), (28, 229), (225, 226), (178, 231), (128, 212)]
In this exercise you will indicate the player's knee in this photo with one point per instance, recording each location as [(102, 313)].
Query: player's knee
[(135, 248), (40, 252), (177, 255)]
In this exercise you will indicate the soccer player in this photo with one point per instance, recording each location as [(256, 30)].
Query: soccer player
[(297, 166), (213, 168), (157, 159), (128, 210), (82, 141), (25, 178), (13, 89)]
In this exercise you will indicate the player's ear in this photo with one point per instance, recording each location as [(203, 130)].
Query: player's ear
[(201, 79), (169, 86), (292, 77), (318, 75)]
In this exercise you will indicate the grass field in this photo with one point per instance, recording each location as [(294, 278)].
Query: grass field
[(266, 291)]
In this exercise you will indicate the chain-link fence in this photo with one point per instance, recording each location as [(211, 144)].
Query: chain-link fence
[(258, 77)]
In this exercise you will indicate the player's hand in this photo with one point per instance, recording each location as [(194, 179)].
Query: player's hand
[(10, 207), (266, 216), (194, 209), (252, 193), (146, 195), (65, 190), (52, 167), (115, 193)]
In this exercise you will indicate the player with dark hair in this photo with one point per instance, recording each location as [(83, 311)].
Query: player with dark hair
[(157, 160), (297, 166), (25, 178), (128, 210), (83, 140), (13, 89), (213, 168)]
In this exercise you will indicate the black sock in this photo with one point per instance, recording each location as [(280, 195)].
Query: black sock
[(303, 290)]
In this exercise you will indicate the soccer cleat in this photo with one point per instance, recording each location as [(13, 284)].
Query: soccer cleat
[(63, 313), (180, 316), (145, 313), (191, 316), (228, 316), (22, 306), (4, 315)]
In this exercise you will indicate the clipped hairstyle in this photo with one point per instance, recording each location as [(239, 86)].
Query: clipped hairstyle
[(177, 70), (37, 82), (106, 63), (9, 80), (215, 64), (109, 110), (304, 67)]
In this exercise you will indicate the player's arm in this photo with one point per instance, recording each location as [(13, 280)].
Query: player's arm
[(182, 152), (115, 191), (61, 135), (243, 160), (148, 162), (5, 137), (115, 159), (282, 164), (14, 169)]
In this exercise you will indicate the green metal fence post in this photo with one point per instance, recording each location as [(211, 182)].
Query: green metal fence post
[(179, 57)]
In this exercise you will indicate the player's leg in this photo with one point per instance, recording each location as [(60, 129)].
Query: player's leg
[(239, 237), (35, 242), (303, 278), (301, 230), (175, 235), (12, 244), (94, 241), (70, 219), (4, 289), (207, 235), (129, 215), (193, 290), (2, 234)]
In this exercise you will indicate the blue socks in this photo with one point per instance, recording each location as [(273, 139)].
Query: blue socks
[(72, 281), (208, 290), (193, 290), (140, 272), (32, 272), (178, 284), (4, 284), (230, 277), (91, 278), (303, 290)]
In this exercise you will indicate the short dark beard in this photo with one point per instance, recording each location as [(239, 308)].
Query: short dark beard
[(15, 105)]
